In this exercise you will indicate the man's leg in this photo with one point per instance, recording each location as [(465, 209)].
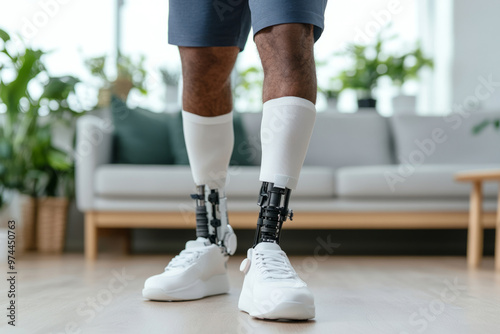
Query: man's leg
[(272, 288), (207, 111), (208, 132), (287, 55), (289, 95)]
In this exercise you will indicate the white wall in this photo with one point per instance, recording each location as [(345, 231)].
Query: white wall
[(476, 51), (462, 38)]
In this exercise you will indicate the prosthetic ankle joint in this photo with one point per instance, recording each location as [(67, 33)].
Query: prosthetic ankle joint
[(273, 202), (211, 219)]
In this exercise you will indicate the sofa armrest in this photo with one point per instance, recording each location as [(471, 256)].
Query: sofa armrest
[(93, 148)]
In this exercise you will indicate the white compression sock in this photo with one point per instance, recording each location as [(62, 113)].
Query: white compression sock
[(209, 144), (287, 125)]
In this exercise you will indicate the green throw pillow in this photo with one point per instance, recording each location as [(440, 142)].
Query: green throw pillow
[(141, 136)]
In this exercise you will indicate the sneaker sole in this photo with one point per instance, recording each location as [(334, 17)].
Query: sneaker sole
[(285, 310), (215, 285)]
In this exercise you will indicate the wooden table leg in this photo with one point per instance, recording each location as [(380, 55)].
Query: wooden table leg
[(497, 238), (90, 242), (475, 233)]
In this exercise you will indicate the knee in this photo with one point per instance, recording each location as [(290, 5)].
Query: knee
[(206, 79), (207, 68), (287, 47)]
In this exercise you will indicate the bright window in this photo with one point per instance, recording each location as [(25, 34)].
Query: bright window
[(75, 29)]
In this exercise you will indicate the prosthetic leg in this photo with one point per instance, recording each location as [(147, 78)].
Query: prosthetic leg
[(211, 219), (209, 253), (287, 125), (209, 144)]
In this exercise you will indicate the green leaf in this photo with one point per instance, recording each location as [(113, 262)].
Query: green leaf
[(58, 160), (96, 67), (4, 36), (496, 124), (12, 93), (480, 127), (59, 88), (5, 149)]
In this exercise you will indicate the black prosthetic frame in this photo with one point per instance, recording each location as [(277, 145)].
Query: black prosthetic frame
[(273, 202), (213, 199), (201, 213)]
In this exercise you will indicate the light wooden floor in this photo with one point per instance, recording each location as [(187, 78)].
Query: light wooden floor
[(353, 295)]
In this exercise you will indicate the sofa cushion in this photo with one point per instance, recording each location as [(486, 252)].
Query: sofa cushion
[(154, 181), (339, 140), (143, 180), (141, 136), (314, 182), (397, 181), (445, 140)]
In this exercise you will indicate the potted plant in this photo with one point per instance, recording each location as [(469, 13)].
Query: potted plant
[(370, 62), (367, 66), (14, 159), (30, 164), (403, 68), (131, 74)]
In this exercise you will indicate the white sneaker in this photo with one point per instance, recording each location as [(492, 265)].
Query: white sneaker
[(198, 271), (272, 289)]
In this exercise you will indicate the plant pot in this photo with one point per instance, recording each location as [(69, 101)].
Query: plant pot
[(28, 222), (22, 209), (104, 98), (51, 224), (367, 103), (6, 209), (122, 87), (3, 245)]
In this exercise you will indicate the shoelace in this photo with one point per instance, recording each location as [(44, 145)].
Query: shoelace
[(185, 258), (273, 265)]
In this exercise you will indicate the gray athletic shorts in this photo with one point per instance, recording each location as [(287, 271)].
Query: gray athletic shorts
[(227, 22)]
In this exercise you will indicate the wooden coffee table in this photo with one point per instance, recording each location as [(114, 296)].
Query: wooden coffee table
[(475, 232)]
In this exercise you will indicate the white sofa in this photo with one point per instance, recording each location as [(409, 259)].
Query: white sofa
[(362, 171)]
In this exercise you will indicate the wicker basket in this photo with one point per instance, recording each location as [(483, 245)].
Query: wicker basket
[(51, 224), (28, 216)]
